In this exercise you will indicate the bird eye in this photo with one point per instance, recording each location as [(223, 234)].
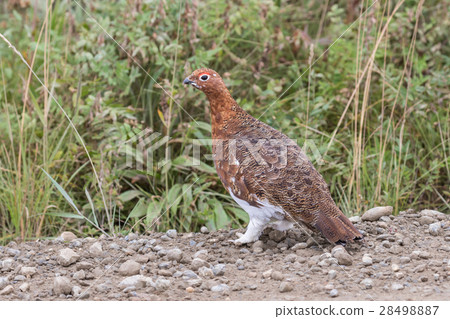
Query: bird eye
[(204, 77)]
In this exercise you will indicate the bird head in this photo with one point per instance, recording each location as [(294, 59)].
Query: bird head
[(206, 80)]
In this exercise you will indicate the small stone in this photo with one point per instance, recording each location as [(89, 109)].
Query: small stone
[(202, 254), (7, 290), (277, 275), (355, 219), (219, 270), (332, 274), (375, 213), (197, 263), (397, 286), (334, 293), (79, 275), (189, 274), (24, 287), (67, 257), (96, 249), (367, 283), (399, 275), (290, 258), (367, 260), (415, 254), (62, 285), (419, 268), (423, 279), (204, 230), (7, 264), (189, 289), (162, 284), (84, 265), (285, 286), (426, 220), (424, 255), (76, 291), (28, 271), (342, 256), (435, 229), (165, 238), (3, 282), (299, 246), (129, 268), (175, 254), (19, 278), (267, 274), (164, 265), (395, 267), (172, 233), (206, 272), (220, 288), (12, 252), (68, 236), (277, 235), (137, 281)]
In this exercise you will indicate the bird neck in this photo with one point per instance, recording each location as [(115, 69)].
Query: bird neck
[(223, 109)]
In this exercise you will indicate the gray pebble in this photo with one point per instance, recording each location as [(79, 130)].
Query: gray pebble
[(299, 246), (277, 275), (332, 274), (28, 271), (7, 290), (137, 281), (204, 230), (206, 272), (285, 286), (165, 238), (12, 252), (162, 284), (375, 213), (68, 236), (175, 254), (367, 260), (96, 249), (62, 285), (79, 275), (334, 293), (3, 282), (435, 229), (220, 288), (290, 258), (219, 269), (129, 268), (24, 287), (397, 286), (342, 256), (367, 283), (197, 263), (189, 274), (67, 257), (172, 233)]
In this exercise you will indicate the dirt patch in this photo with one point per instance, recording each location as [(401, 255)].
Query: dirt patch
[(405, 257)]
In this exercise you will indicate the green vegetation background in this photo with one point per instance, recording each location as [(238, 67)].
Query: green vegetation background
[(381, 125)]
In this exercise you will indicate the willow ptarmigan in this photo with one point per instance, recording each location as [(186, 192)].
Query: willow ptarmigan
[(265, 172)]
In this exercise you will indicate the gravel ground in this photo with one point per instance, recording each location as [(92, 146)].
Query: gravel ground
[(403, 257)]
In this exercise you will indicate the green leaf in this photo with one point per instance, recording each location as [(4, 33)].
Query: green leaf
[(129, 195)]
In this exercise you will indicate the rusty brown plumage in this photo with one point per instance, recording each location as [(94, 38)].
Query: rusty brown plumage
[(267, 173)]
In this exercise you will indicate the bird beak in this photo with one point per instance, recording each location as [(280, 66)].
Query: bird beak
[(187, 81)]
